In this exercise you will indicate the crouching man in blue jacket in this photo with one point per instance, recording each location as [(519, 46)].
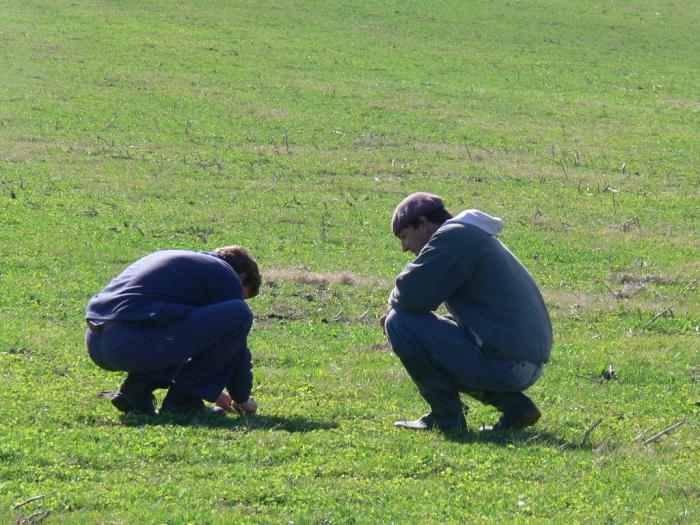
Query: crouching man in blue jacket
[(178, 319), (498, 336)]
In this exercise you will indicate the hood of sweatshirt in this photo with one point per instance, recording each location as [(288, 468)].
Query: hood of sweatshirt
[(483, 221)]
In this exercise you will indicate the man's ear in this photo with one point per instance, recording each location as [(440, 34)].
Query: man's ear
[(243, 277), (422, 222)]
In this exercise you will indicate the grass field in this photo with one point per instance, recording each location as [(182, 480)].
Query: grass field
[(294, 128)]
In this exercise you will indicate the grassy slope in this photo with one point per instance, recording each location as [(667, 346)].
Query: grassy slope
[(295, 129)]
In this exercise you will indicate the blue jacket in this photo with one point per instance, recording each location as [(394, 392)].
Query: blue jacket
[(165, 286), (483, 285)]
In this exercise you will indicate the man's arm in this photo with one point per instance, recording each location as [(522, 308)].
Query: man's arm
[(222, 285), (241, 382), (444, 264)]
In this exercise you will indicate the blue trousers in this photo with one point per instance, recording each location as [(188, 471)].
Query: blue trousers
[(444, 359), (200, 351)]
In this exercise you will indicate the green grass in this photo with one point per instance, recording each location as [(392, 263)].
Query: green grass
[(294, 129)]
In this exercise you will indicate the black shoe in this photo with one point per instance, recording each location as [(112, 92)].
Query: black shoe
[(136, 395), (178, 402), (519, 411), (430, 421)]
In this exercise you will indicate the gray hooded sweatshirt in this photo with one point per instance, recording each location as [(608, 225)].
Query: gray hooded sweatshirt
[(483, 285)]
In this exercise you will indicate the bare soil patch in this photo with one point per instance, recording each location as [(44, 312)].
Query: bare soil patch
[(304, 276)]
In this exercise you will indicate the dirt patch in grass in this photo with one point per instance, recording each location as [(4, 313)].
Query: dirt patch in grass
[(628, 290), (275, 113), (618, 231), (567, 299), (628, 278), (303, 276), (379, 347), (26, 149), (282, 313)]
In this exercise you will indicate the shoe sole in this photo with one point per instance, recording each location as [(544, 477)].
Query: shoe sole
[(529, 418), (525, 420), (121, 403), (410, 425)]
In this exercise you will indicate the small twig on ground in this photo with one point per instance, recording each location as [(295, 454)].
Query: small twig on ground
[(35, 517), (337, 316), (655, 437), (613, 191), (630, 223), (660, 314), (28, 501), (558, 162), (469, 152), (639, 436), (595, 380), (686, 287), (364, 315), (588, 432), (532, 438), (324, 226)]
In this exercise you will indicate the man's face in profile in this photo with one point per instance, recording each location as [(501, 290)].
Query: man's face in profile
[(414, 238)]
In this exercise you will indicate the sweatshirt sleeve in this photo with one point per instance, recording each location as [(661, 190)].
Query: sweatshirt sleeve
[(240, 384), (222, 286), (442, 266)]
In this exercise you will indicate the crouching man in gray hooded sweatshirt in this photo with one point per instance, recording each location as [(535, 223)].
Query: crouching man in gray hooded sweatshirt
[(498, 336)]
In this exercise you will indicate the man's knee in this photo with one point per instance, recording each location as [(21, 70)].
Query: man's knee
[(247, 320), (241, 318), (393, 323), (398, 326)]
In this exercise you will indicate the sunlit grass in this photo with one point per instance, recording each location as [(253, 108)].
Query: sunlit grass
[(295, 129)]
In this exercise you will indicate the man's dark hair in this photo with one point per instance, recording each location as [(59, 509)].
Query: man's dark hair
[(436, 216), (241, 261)]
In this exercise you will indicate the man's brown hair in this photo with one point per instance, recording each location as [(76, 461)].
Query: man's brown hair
[(241, 261)]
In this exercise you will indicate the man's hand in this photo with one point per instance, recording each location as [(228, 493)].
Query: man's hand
[(225, 402), (246, 407)]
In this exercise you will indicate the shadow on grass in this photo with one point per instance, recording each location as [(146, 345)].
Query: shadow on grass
[(520, 438), (233, 422)]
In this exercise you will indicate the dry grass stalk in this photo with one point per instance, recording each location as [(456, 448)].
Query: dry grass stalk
[(28, 501), (591, 429), (641, 434), (655, 437), (690, 285), (595, 380), (36, 517), (630, 223)]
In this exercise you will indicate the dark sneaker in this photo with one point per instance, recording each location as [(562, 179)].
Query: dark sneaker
[(136, 395), (430, 421), (179, 402), (519, 411)]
